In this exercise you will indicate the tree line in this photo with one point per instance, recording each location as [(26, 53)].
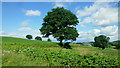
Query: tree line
[(36, 38)]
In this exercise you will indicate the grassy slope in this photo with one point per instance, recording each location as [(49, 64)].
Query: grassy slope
[(11, 45)]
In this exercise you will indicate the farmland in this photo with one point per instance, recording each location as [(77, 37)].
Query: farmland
[(24, 52)]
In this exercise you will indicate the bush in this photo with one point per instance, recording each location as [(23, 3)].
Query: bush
[(118, 46), (38, 38), (49, 40), (116, 43), (67, 46), (29, 36)]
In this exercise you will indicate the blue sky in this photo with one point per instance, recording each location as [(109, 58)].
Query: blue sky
[(96, 18)]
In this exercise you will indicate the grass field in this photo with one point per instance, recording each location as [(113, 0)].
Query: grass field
[(24, 52)]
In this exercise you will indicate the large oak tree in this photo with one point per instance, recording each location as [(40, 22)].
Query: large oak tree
[(60, 23)]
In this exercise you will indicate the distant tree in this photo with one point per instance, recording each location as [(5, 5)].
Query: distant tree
[(38, 38), (118, 46), (60, 23), (101, 41), (116, 43), (49, 40), (29, 36)]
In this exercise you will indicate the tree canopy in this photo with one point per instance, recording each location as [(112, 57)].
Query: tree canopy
[(101, 41), (29, 36), (48, 40), (60, 23), (116, 43), (38, 38)]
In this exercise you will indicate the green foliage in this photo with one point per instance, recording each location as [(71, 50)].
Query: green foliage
[(101, 41), (118, 46), (67, 45), (29, 36), (38, 38), (48, 40), (116, 43), (23, 52), (61, 24), (55, 58)]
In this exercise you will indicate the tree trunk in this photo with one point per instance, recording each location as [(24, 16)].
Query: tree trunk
[(61, 44), (60, 40)]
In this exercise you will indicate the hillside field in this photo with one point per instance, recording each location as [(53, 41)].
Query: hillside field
[(24, 52)]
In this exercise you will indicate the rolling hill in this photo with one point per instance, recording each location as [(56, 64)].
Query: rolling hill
[(24, 52)]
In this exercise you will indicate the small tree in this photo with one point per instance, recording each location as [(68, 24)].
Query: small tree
[(38, 38), (101, 41), (116, 43), (49, 40), (29, 36), (118, 46)]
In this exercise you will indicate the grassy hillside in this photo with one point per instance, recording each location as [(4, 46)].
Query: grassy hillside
[(23, 52)]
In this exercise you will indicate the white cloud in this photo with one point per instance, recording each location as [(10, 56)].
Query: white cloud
[(58, 4), (36, 33), (85, 21), (22, 34), (95, 32), (105, 16), (99, 14), (110, 31), (25, 29), (25, 23), (85, 36), (33, 13), (2, 32), (12, 34)]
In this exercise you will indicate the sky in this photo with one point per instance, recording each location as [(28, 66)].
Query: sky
[(95, 18)]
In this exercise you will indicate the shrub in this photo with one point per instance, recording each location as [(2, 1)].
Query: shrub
[(29, 36), (49, 40), (38, 38)]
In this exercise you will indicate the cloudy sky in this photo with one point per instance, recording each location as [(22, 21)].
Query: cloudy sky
[(95, 18)]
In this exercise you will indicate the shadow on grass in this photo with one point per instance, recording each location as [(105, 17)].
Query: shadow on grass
[(65, 45)]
